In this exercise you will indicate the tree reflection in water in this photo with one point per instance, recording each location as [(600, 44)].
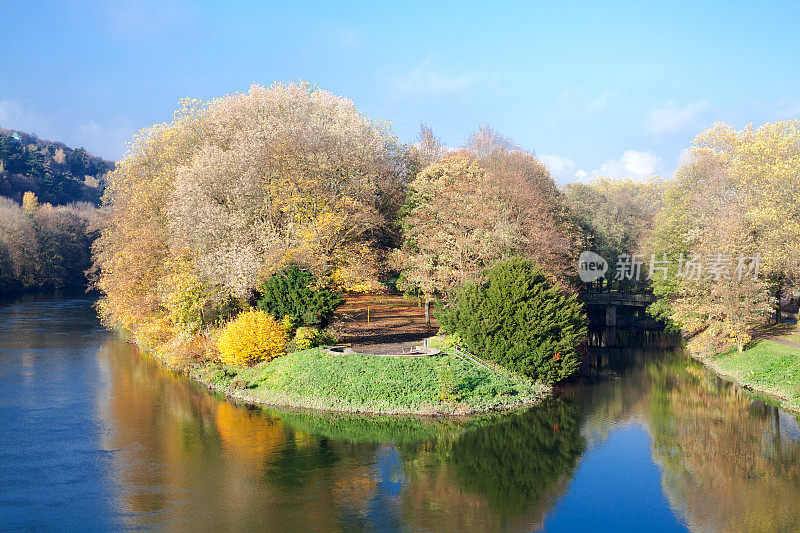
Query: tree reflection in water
[(192, 457), (730, 462), (515, 462), (497, 476), (184, 458)]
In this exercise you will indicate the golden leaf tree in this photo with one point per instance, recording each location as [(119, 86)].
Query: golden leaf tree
[(737, 195), (233, 189), (29, 202)]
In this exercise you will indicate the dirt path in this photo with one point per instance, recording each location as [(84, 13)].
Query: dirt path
[(779, 340), (395, 323), (779, 333)]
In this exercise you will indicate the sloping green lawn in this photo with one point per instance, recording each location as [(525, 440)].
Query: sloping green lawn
[(766, 366), (364, 383)]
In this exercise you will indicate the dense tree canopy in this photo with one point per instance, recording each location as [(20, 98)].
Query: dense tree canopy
[(615, 218), (206, 207), (469, 209), (736, 197), (44, 247), (54, 172), (231, 190)]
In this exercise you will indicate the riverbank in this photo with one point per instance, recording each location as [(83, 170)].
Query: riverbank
[(357, 383), (769, 366)]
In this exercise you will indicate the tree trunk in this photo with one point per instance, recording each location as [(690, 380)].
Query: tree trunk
[(778, 309), (427, 312)]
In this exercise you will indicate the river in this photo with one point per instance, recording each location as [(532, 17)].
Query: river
[(96, 436)]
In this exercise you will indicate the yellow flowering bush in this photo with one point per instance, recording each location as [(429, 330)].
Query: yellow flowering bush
[(305, 337), (251, 337)]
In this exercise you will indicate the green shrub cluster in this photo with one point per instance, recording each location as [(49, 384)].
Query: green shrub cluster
[(295, 292), (517, 319)]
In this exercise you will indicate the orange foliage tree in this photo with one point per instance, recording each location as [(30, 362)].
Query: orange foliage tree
[(469, 209)]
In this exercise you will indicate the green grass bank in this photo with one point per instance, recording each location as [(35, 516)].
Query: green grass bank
[(355, 383), (765, 367)]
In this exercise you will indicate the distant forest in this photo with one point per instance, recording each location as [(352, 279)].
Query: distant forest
[(55, 173), (49, 195)]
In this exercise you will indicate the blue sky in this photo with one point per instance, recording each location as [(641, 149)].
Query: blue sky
[(617, 89)]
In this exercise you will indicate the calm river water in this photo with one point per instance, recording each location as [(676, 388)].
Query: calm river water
[(96, 436)]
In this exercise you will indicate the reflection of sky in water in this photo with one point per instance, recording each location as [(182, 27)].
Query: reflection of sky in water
[(52, 472), (97, 437), (790, 430), (616, 487), (383, 510)]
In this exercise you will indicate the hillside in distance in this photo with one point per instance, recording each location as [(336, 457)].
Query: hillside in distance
[(53, 171)]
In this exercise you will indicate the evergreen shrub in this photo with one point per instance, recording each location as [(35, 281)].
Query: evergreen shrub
[(519, 320), (295, 292)]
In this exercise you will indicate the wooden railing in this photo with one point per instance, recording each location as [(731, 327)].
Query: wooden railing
[(475, 360)]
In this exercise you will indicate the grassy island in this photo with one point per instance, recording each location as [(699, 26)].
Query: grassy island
[(245, 232), (436, 385)]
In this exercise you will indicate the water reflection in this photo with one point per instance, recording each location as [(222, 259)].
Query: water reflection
[(186, 455), (731, 463), (652, 441)]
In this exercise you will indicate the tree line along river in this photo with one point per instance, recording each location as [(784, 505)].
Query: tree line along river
[(96, 436)]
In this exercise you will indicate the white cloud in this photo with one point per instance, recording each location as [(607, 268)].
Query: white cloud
[(632, 164), (104, 140), (17, 115), (672, 119), (581, 174), (556, 164), (598, 104), (426, 79)]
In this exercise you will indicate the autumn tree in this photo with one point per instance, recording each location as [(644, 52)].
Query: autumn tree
[(614, 217), (735, 196), (455, 227), (232, 190), (306, 178), (469, 209), (29, 202), (428, 148), (536, 206), (44, 247)]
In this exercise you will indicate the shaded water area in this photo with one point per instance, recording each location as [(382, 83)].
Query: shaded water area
[(96, 436)]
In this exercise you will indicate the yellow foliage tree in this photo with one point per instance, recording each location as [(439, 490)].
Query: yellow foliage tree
[(30, 202), (252, 337), (734, 197), (760, 165), (229, 191)]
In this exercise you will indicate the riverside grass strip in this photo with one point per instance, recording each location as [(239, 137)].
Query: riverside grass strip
[(766, 367)]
